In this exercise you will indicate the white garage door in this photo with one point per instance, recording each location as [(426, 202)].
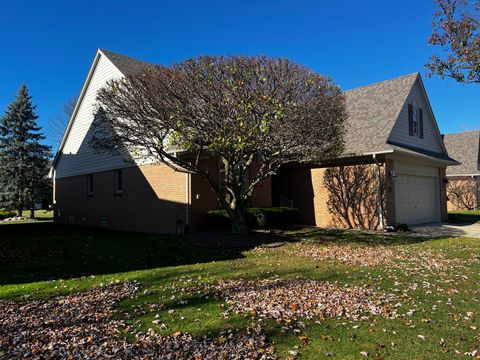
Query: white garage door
[(416, 199)]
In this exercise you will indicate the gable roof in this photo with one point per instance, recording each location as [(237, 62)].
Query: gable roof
[(373, 111), (465, 147), (126, 64)]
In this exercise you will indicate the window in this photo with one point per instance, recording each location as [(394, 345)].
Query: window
[(118, 181), (90, 185), (415, 118)]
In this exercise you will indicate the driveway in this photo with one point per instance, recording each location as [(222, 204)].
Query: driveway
[(448, 229)]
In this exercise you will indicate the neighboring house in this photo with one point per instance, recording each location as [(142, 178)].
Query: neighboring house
[(391, 125), (464, 180)]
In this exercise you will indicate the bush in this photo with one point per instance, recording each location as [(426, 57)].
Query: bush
[(402, 227), (256, 218), (5, 214)]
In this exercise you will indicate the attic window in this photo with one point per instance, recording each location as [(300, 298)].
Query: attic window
[(415, 120), (90, 185), (118, 181)]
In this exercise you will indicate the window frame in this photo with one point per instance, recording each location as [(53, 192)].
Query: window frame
[(118, 180), (89, 185), (415, 119)]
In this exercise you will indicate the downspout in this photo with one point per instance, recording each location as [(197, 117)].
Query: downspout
[(187, 201), (379, 193)]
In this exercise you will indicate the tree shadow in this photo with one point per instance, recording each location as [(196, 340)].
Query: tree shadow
[(358, 237), (463, 218), (44, 251)]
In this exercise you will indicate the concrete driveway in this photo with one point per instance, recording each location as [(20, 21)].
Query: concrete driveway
[(448, 229)]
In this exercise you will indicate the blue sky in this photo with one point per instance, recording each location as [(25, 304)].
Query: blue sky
[(49, 45)]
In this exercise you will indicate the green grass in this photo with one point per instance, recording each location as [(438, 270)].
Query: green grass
[(44, 259), (464, 216), (40, 215)]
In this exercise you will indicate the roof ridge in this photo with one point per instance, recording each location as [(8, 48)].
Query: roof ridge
[(384, 81), (126, 64)]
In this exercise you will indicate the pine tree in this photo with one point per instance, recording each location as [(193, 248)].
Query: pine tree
[(23, 159)]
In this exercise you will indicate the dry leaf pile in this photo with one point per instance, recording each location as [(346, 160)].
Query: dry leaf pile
[(290, 300), (81, 326), (376, 255)]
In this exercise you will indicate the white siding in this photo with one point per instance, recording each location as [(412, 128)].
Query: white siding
[(78, 157), (400, 135)]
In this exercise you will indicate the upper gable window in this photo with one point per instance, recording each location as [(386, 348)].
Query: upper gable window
[(415, 120), (118, 181), (90, 185)]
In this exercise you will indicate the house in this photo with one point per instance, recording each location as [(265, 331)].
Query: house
[(391, 127), (464, 180)]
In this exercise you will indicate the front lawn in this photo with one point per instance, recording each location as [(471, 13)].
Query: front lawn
[(313, 294)]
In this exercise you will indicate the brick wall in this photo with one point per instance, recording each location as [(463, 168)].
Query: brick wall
[(306, 188), (204, 199), (153, 199), (391, 218), (443, 194)]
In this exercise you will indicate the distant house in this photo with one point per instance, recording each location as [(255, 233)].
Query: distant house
[(465, 178), (391, 126)]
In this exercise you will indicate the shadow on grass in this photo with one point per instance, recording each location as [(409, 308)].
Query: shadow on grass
[(464, 217), (337, 236), (42, 251)]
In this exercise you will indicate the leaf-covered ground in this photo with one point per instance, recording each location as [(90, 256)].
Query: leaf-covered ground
[(321, 294)]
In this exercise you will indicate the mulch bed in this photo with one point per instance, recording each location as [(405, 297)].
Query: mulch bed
[(81, 326)]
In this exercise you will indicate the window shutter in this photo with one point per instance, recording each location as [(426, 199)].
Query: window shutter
[(420, 122), (410, 119)]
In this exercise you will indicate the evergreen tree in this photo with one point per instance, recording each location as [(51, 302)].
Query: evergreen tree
[(23, 159)]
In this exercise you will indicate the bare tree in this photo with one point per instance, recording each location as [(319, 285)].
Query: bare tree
[(352, 196), (457, 31), (463, 194), (238, 109), (60, 121)]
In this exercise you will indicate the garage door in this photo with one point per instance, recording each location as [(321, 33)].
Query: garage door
[(415, 199)]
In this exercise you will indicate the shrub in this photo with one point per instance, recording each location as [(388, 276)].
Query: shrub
[(256, 218), (4, 214), (402, 227)]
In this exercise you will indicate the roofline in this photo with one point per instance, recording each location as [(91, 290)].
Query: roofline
[(433, 115), (83, 91), (110, 61), (380, 82), (448, 162)]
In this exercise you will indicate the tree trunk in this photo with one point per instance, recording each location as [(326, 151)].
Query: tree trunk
[(20, 212), (32, 212), (239, 225)]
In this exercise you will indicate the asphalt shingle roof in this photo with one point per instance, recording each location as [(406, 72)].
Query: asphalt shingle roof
[(126, 64), (373, 111), (464, 147)]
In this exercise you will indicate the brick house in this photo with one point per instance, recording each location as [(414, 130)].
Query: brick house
[(391, 126), (465, 147)]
